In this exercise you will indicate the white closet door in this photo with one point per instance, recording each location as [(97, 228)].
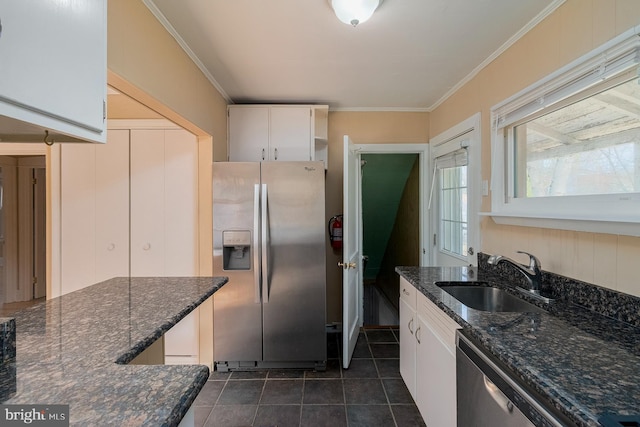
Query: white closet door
[(180, 203), (290, 129), (112, 206), (147, 203), (78, 216)]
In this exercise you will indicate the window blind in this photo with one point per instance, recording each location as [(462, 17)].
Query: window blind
[(610, 60)]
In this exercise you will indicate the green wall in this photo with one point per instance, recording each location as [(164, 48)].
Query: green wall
[(383, 180)]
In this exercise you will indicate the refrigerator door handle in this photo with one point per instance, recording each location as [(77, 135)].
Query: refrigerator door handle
[(265, 246), (256, 242)]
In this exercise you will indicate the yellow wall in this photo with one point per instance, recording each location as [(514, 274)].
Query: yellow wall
[(363, 128), (574, 29), (143, 53), (146, 63)]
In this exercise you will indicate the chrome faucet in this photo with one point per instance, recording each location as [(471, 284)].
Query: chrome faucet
[(532, 273)]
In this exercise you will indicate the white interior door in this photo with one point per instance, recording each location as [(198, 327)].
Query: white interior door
[(454, 200), (351, 258)]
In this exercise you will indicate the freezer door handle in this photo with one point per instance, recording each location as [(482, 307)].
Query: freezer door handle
[(265, 246), (256, 242)]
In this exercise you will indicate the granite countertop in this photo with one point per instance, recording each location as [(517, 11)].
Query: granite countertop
[(74, 349), (583, 363)]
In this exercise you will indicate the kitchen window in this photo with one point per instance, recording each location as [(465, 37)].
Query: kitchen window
[(566, 151), (452, 175)]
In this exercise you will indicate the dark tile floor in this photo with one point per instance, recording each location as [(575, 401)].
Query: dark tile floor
[(370, 393)]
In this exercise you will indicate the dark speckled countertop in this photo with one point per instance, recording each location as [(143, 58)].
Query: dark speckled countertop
[(584, 364), (74, 350)]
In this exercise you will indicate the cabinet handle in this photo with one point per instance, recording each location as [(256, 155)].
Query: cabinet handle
[(275, 153), (263, 154), (147, 246), (417, 337), (404, 291), (111, 247), (409, 325)]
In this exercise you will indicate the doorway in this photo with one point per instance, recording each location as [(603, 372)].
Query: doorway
[(22, 231), (390, 220)]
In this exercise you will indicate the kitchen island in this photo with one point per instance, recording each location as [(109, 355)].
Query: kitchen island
[(74, 350), (583, 364)]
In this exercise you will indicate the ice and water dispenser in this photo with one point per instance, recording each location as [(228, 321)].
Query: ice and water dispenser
[(236, 249)]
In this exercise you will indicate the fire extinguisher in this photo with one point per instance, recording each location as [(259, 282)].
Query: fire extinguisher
[(335, 231)]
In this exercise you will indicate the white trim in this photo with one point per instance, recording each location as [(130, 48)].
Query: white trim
[(381, 109), (141, 124), (471, 126), (585, 225), (424, 156), (23, 149), (171, 30), (517, 36)]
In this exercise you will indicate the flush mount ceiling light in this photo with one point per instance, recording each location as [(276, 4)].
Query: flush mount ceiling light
[(354, 12)]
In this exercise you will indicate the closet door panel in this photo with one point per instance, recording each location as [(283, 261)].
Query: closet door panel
[(112, 206), (78, 216), (181, 203), (147, 203)]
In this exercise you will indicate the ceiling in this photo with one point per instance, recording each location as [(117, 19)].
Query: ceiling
[(409, 56)]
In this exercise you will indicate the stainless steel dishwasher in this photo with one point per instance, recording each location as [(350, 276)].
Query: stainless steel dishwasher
[(488, 397)]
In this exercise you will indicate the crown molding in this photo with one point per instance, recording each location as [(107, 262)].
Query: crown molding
[(517, 36)]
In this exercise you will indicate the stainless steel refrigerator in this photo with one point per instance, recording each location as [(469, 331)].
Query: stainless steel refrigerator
[(269, 239)]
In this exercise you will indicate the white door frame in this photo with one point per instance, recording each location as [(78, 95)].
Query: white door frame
[(353, 154), (475, 185), (422, 150)]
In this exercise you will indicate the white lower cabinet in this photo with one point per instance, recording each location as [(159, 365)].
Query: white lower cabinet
[(429, 357), (408, 343), (181, 341)]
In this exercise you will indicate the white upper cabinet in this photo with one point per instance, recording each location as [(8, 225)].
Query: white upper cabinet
[(248, 134), (277, 133), (53, 70)]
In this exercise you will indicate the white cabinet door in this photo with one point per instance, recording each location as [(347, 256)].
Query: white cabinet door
[(248, 134), (290, 133), (408, 325), (112, 206), (435, 365), (181, 341), (53, 70), (270, 133), (435, 379), (78, 216)]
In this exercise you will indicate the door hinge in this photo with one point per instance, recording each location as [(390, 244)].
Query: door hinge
[(34, 281), (34, 181)]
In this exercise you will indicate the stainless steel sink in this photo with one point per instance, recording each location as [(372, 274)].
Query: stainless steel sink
[(481, 296)]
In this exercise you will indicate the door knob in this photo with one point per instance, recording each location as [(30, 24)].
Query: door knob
[(347, 265)]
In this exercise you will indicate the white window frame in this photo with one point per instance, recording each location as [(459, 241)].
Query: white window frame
[(611, 213)]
